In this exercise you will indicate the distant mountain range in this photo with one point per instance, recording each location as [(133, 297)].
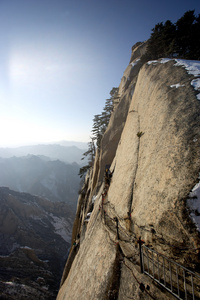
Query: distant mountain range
[(35, 237), (35, 233), (37, 175), (80, 145), (64, 151)]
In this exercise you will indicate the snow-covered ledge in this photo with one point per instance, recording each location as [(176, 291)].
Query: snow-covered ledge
[(191, 66)]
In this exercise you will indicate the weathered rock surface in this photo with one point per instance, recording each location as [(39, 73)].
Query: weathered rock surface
[(152, 144), (155, 172)]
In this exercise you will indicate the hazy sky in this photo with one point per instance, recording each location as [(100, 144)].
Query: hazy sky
[(59, 59)]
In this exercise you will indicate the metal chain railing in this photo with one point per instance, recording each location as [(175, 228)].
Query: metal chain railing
[(178, 280)]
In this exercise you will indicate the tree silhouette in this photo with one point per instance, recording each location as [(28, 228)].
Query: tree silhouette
[(184, 28), (90, 153), (181, 39), (100, 121), (100, 124)]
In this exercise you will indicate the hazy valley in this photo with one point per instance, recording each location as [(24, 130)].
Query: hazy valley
[(38, 198), (54, 180), (35, 236), (64, 151)]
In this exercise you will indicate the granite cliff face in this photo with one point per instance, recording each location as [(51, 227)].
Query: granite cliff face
[(152, 145)]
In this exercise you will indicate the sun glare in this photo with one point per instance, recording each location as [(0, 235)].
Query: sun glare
[(15, 132)]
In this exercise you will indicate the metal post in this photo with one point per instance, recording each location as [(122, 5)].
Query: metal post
[(185, 287), (164, 271), (148, 260), (170, 273), (117, 226), (140, 248), (153, 264), (177, 281), (158, 267), (192, 287)]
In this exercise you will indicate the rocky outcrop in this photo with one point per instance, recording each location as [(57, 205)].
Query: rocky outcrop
[(112, 135), (152, 145), (160, 167)]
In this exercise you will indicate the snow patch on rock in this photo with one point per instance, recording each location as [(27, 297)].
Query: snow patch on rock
[(194, 205), (191, 66), (61, 227), (177, 85)]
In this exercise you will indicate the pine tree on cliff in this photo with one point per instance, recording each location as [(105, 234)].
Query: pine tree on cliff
[(187, 36), (96, 129), (181, 39), (162, 40), (90, 153), (195, 49), (100, 123)]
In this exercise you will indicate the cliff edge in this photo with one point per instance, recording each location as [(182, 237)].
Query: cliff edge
[(152, 147)]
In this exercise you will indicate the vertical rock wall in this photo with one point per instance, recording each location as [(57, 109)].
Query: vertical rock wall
[(158, 160), (152, 144)]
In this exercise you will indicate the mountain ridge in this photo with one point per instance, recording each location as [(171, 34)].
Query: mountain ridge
[(55, 180), (68, 154), (35, 236)]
